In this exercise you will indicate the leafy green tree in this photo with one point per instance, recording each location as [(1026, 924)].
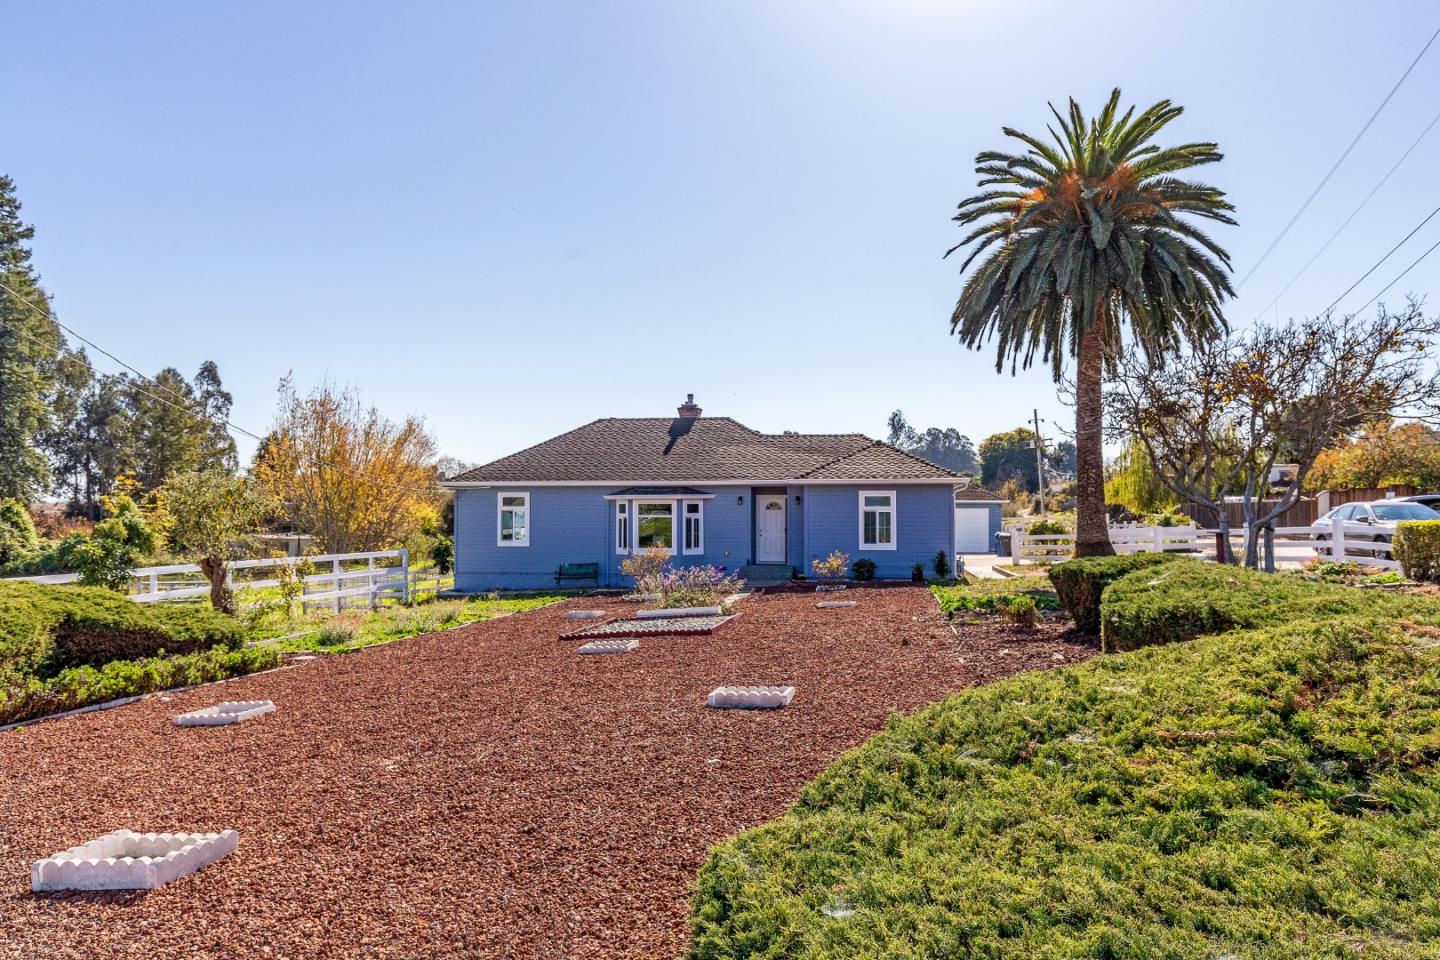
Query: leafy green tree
[(1089, 241), (17, 531), (1009, 456), (214, 515), (30, 344), (116, 545), (948, 447)]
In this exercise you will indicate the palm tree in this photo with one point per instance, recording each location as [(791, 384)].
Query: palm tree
[(1090, 242)]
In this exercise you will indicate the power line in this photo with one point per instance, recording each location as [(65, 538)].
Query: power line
[(1392, 283), (1379, 262), (1326, 179), (1353, 214), (184, 404)]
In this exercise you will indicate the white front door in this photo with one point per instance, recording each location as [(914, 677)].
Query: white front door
[(770, 528)]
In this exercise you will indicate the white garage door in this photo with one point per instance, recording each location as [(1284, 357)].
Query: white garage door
[(972, 529)]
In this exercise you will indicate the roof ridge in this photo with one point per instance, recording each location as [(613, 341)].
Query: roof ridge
[(916, 456)]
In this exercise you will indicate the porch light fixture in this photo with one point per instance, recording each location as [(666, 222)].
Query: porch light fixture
[(740, 500), (797, 499)]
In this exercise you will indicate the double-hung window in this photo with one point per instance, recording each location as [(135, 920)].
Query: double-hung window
[(877, 519), (513, 528), (622, 527), (695, 527), (655, 525)]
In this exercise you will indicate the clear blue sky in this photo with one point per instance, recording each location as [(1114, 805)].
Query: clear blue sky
[(513, 219)]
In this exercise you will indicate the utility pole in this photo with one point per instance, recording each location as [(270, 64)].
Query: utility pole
[(1039, 461)]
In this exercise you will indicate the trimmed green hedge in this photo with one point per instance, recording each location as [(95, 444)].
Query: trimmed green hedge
[(1079, 583), (1191, 598), (24, 698), (44, 629), (1271, 793)]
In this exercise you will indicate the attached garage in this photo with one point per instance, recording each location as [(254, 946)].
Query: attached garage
[(977, 518)]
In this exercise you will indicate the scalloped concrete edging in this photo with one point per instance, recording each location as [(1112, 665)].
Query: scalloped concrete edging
[(224, 713), (750, 698), (126, 860), (621, 627), (608, 646), (583, 614), (834, 604), (679, 612)]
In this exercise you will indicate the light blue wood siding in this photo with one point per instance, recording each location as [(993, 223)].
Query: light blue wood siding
[(924, 525)]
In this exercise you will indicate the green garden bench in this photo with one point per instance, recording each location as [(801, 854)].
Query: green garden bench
[(577, 571)]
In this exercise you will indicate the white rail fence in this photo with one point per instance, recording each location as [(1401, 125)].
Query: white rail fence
[(1053, 547), (386, 575), (1334, 540)]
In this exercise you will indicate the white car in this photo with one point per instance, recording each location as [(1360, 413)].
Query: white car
[(1380, 515)]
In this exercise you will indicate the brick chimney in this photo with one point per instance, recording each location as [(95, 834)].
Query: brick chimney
[(688, 410)]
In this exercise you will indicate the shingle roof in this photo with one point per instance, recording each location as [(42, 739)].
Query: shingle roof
[(656, 449)]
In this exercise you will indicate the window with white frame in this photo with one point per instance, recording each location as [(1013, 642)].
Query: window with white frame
[(695, 527), (622, 527), (513, 529), (655, 525), (877, 519)]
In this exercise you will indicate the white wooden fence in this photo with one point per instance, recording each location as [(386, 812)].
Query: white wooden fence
[(343, 584), (1127, 538), (1332, 539)]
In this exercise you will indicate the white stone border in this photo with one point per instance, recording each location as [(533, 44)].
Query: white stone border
[(752, 698), (224, 713), (125, 860), (608, 646), (679, 612), (834, 604), (583, 614)]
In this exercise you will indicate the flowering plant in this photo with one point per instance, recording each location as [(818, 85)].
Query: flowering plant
[(697, 586), (832, 567)]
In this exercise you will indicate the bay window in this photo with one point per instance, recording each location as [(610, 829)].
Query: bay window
[(694, 527), (622, 527), (655, 525)]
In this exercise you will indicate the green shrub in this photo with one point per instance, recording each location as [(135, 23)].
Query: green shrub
[(17, 532), (1047, 528), (1191, 598), (44, 629), (1079, 583), (337, 632), (1417, 547), (1021, 610), (1269, 794), (941, 564), (24, 698), (863, 569), (991, 596)]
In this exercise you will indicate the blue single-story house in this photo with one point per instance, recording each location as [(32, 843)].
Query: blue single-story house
[(710, 491)]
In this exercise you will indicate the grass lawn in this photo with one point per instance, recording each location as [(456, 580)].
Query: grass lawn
[(986, 596), (337, 633)]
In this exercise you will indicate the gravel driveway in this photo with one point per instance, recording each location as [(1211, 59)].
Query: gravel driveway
[(483, 792)]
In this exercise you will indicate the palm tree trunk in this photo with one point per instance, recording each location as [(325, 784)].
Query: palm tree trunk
[(1092, 533)]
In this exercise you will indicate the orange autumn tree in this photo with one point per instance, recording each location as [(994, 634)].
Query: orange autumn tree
[(1382, 454), (344, 473)]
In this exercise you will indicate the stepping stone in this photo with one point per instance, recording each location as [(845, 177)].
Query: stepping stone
[(679, 612), (834, 604), (750, 698), (125, 860), (609, 646), (829, 587), (223, 714), (583, 614)]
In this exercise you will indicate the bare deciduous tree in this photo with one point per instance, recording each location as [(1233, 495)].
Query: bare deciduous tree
[(1215, 420)]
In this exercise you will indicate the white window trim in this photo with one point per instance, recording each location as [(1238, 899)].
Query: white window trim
[(500, 509), (675, 527), (893, 510), (625, 547), (685, 527)]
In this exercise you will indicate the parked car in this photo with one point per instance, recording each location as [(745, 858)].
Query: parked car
[(1431, 500), (1381, 515)]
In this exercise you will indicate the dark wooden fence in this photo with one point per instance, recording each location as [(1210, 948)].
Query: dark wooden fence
[(1362, 494), (1300, 514)]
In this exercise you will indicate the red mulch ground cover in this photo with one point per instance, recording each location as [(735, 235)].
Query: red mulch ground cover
[(483, 792)]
